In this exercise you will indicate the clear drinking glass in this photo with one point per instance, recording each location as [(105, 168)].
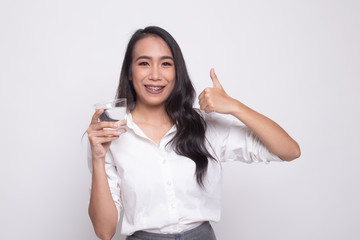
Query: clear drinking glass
[(114, 110)]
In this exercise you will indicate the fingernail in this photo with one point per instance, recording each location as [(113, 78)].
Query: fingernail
[(121, 130), (116, 125)]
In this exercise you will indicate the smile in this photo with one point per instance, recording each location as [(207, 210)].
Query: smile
[(154, 88)]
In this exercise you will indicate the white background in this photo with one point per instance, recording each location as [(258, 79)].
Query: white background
[(298, 62)]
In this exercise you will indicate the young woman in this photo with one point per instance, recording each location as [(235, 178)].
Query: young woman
[(164, 173)]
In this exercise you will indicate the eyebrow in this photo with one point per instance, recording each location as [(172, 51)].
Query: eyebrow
[(149, 58)]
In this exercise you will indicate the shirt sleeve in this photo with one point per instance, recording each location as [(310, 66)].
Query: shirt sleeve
[(112, 176), (233, 141)]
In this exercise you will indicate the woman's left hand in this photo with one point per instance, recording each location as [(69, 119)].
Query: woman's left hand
[(215, 99)]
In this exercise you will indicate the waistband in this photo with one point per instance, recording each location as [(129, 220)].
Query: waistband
[(202, 232)]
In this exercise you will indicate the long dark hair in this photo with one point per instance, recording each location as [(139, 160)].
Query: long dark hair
[(189, 140)]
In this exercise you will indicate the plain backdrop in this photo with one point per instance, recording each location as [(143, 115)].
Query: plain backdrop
[(297, 62)]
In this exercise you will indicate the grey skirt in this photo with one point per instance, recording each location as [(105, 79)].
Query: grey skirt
[(202, 232)]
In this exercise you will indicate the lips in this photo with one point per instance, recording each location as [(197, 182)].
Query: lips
[(154, 89)]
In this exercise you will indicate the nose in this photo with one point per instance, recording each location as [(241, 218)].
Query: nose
[(154, 73)]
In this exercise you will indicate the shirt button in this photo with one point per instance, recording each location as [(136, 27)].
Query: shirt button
[(169, 183), (164, 161)]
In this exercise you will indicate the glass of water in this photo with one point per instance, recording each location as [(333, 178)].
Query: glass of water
[(114, 111)]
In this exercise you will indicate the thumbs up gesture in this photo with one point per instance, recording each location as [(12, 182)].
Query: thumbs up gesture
[(215, 99)]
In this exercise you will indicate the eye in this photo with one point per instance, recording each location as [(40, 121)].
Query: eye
[(143, 63), (167, 64)]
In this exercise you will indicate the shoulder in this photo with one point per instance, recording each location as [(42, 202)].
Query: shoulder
[(218, 123), (215, 118)]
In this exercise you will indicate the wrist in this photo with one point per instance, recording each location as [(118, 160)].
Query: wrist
[(237, 108), (242, 112), (98, 162)]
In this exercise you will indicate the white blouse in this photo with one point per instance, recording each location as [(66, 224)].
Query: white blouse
[(156, 189)]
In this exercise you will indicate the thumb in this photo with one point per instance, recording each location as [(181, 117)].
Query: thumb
[(96, 116), (216, 83)]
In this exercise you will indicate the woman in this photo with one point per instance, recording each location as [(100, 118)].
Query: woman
[(164, 172)]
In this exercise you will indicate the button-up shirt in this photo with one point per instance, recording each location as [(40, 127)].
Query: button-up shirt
[(156, 189)]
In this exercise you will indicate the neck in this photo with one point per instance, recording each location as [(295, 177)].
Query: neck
[(153, 114)]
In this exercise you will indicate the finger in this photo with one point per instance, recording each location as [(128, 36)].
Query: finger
[(216, 82), (205, 109), (121, 123), (201, 102), (204, 102), (208, 109), (96, 116), (105, 133), (201, 95), (205, 92), (123, 129), (204, 105), (105, 124), (101, 140), (201, 99)]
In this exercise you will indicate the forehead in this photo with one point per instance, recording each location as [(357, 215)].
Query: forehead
[(152, 46)]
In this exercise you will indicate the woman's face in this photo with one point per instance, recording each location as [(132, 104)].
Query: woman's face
[(153, 71)]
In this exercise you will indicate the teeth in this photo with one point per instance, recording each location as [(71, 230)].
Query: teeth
[(154, 88)]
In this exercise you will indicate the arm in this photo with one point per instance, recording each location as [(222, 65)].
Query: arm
[(102, 209), (271, 134)]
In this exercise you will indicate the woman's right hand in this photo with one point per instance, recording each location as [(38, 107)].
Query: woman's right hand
[(101, 134)]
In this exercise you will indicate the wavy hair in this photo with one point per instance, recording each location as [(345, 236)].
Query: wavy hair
[(189, 140)]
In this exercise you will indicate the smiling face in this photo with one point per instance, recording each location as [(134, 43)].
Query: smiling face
[(153, 71)]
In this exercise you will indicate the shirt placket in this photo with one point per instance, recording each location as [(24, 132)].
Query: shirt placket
[(169, 186)]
